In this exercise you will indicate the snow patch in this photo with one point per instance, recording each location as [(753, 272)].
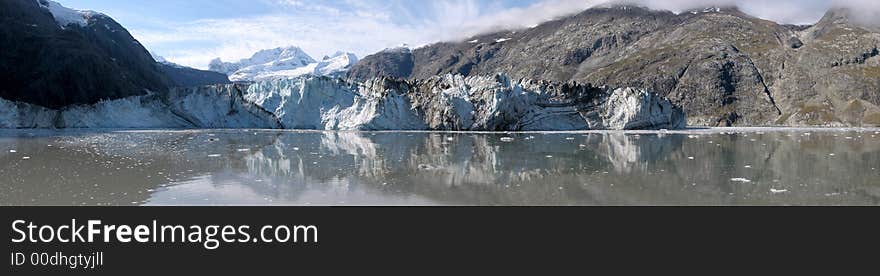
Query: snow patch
[(66, 16)]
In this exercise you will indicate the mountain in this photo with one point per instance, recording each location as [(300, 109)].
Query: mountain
[(394, 62), (283, 62), (182, 76), (53, 56), (724, 67)]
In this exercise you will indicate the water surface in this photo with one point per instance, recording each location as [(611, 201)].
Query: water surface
[(257, 167)]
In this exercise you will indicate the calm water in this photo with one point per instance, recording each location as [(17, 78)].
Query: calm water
[(700, 167)]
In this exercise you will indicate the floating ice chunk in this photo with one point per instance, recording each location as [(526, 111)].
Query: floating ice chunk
[(775, 191), (739, 179), (506, 139)]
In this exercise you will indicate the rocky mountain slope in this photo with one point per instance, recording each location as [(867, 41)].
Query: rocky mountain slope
[(725, 68), (182, 76), (395, 63), (285, 62), (54, 56)]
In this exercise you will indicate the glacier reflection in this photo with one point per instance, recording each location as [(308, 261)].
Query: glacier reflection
[(422, 168)]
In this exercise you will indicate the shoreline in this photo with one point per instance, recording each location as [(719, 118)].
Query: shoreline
[(693, 130)]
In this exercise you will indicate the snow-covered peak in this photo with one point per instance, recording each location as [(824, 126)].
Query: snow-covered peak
[(278, 59), (67, 16), (285, 62), (291, 55)]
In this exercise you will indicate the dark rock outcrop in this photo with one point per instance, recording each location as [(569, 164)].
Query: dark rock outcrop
[(53, 64), (395, 63), (182, 76)]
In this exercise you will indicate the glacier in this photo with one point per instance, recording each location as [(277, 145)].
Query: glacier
[(322, 103), (448, 102), (218, 106), (455, 102)]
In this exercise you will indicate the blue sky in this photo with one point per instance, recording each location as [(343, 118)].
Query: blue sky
[(193, 32)]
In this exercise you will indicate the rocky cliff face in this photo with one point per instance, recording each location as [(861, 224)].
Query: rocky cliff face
[(395, 63), (53, 56), (725, 68)]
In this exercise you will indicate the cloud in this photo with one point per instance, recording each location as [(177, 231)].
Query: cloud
[(367, 26)]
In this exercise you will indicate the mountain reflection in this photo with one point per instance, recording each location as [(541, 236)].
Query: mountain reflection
[(420, 168)]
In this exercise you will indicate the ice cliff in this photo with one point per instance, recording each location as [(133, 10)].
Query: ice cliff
[(454, 102), (218, 106), (449, 102)]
